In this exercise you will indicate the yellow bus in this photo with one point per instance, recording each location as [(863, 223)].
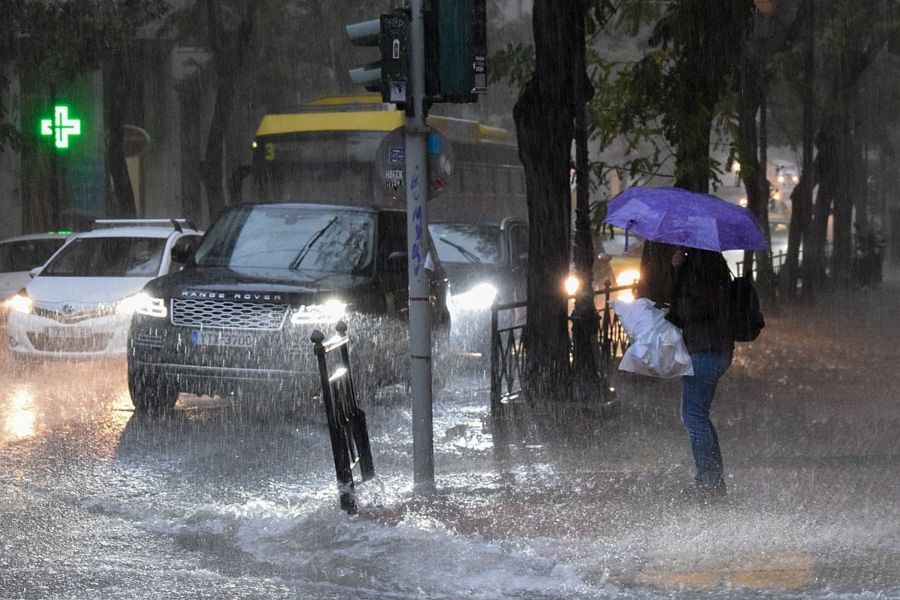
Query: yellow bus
[(325, 153)]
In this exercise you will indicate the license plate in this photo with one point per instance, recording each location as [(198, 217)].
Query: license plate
[(222, 338), (60, 333)]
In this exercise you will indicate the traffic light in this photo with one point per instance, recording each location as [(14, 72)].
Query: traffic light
[(390, 33), (456, 50)]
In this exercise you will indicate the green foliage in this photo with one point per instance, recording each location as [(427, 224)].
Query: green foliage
[(513, 64), (644, 108)]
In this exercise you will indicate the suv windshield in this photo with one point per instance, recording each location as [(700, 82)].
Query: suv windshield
[(466, 243), (108, 257), (25, 255), (289, 237)]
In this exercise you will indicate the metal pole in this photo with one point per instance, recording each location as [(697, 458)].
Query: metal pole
[(417, 236)]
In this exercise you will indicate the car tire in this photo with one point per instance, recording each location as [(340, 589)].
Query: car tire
[(150, 391)]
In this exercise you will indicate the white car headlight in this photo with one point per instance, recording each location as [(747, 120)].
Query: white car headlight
[(628, 277), (143, 303), (479, 297), (330, 311), (21, 303)]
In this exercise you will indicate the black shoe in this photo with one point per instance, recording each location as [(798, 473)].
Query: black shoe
[(712, 494)]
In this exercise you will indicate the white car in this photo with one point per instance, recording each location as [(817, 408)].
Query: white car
[(80, 303), (19, 255)]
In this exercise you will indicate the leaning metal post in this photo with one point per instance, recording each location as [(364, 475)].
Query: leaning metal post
[(347, 427)]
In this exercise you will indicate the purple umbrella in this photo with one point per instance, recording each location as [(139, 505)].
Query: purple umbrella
[(684, 218)]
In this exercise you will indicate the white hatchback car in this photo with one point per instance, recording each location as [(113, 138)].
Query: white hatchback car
[(79, 304)]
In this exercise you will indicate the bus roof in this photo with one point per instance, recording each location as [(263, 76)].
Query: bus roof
[(373, 120)]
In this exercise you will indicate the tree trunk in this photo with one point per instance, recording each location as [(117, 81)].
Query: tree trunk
[(120, 195), (584, 322), (692, 152), (228, 58), (752, 152), (544, 117), (801, 197)]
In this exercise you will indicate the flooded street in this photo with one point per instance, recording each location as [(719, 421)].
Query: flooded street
[(217, 501)]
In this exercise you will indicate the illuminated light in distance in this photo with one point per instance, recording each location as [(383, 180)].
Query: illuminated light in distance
[(572, 284), (628, 277)]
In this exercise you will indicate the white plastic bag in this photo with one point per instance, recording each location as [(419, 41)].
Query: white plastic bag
[(657, 348)]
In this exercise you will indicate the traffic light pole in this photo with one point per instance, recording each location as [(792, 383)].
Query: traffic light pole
[(418, 245)]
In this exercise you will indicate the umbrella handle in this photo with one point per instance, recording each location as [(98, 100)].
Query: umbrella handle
[(627, 227)]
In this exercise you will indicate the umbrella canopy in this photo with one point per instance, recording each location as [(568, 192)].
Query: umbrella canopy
[(685, 218)]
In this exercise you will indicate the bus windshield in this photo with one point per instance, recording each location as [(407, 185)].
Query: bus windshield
[(332, 167)]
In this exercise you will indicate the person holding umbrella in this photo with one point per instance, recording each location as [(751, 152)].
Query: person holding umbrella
[(682, 267)]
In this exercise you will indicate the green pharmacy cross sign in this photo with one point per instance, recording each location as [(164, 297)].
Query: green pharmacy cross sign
[(60, 127)]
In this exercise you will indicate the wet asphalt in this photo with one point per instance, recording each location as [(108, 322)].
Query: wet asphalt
[(557, 501)]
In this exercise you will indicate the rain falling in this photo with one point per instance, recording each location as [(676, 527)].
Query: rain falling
[(205, 204)]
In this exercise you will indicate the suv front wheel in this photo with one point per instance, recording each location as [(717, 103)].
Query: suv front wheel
[(150, 391)]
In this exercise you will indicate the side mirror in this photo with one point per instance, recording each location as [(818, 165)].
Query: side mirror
[(180, 254)]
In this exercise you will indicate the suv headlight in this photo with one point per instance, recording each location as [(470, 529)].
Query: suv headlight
[(330, 311), (21, 303), (143, 303), (479, 297)]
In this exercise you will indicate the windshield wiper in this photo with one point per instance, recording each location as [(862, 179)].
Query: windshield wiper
[(309, 244), (469, 256)]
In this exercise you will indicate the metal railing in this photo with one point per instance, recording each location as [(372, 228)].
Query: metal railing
[(508, 346), (778, 261)]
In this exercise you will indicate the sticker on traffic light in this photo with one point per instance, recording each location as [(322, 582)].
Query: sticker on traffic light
[(60, 128)]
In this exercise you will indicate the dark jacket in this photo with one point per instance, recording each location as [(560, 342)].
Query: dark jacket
[(696, 293), (700, 302)]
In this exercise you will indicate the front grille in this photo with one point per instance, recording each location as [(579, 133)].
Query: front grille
[(228, 314), (89, 343), (64, 316)]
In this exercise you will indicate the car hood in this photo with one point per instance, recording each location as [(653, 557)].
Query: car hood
[(463, 277), (263, 285), (84, 291)]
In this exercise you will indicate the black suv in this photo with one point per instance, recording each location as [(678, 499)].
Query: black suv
[(237, 318)]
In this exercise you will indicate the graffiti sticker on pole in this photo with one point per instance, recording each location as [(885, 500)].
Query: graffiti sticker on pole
[(390, 162)]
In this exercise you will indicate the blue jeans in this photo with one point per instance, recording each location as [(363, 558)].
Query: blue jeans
[(696, 399)]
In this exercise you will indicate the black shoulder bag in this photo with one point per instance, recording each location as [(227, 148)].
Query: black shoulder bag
[(743, 309)]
